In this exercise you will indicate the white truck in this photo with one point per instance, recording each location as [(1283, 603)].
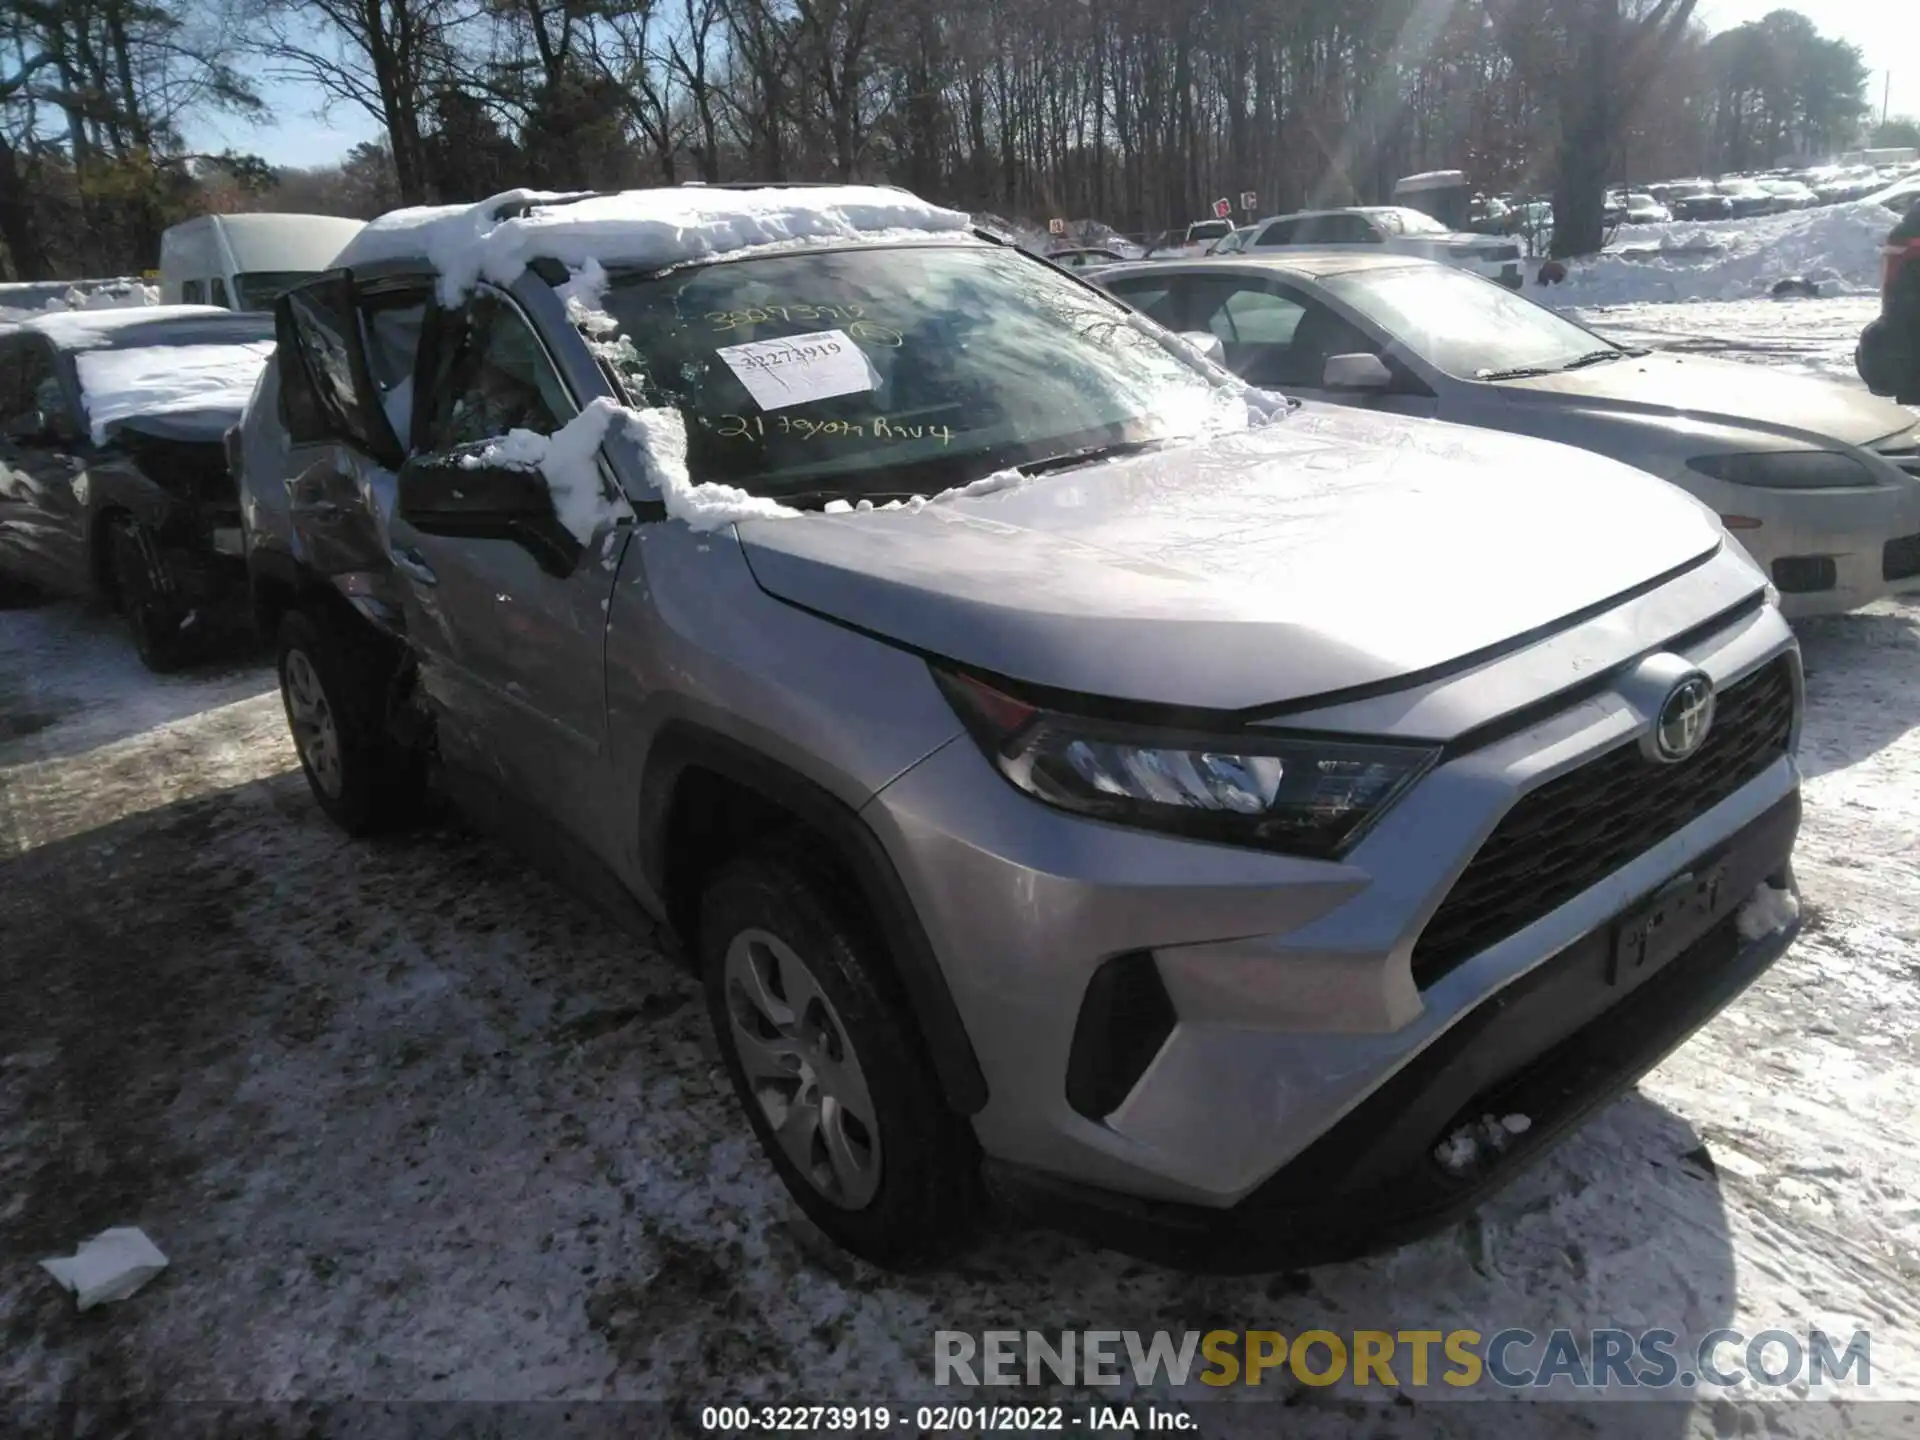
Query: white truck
[(244, 262)]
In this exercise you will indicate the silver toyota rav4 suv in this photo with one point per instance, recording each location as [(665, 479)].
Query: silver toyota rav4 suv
[(1245, 833)]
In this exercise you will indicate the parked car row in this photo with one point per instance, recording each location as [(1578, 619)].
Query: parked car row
[(1744, 196), (1392, 229), (1185, 825), (113, 479)]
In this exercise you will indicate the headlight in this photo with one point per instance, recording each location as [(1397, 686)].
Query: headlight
[(1788, 470), (1295, 794)]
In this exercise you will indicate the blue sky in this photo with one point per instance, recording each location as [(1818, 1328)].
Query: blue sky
[(1887, 31)]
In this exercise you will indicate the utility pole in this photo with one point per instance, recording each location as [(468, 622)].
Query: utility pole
[(1886, 98)]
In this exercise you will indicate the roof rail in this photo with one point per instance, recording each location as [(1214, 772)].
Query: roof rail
[(520, 209), (784, 185)]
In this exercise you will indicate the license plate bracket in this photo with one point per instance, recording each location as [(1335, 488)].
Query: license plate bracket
[(1667, 922)]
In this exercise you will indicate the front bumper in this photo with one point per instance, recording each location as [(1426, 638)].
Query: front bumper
[(1296, 986), (1554, 1046)]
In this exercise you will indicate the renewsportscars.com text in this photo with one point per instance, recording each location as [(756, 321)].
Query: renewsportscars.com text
[(1513, 1359)]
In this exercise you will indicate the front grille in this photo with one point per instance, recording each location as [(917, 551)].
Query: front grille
[(1573, 832), (1805, 574), (1900, 559)]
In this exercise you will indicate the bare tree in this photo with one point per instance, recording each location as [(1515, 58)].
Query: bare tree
[(388, 57)]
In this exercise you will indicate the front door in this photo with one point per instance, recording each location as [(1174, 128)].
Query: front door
[(511, 639), (1280, 336), (42, 471)]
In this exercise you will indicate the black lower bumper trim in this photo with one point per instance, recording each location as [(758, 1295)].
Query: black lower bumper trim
[(1555, 1045)]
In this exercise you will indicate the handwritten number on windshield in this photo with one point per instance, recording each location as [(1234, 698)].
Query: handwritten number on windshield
[(724, 320)]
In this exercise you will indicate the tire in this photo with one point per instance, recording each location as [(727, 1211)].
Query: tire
[(781, 915), (17, 594), (334, 684), (145, 597), (1884, 364)]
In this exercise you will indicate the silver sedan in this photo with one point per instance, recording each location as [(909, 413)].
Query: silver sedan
[(1821, 483)]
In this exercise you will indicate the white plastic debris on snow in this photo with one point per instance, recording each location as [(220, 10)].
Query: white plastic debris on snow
[(647, 228), (1766, 912), (568, 461), (110, 1266), (167, 379), (1461, 1150)]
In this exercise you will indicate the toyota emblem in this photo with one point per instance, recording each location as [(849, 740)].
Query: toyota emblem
[(1685, 717)]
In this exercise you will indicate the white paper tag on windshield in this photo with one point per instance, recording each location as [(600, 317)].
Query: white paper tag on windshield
[(799, 368)]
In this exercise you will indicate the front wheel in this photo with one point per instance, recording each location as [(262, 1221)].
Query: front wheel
[(821, 1050), (146, 597), (334, 684)]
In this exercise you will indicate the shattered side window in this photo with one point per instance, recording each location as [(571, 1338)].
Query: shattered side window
[(504, 383)]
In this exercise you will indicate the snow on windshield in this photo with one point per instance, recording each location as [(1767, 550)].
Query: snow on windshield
[(649, 229), (167, 379)]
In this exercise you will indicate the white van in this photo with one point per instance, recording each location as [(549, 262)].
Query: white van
[(244, 262)]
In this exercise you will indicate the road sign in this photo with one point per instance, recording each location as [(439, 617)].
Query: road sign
[(1056, 227), (1222, 209), (1249, 201)]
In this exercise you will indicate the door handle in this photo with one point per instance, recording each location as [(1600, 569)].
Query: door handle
[(415, 565)]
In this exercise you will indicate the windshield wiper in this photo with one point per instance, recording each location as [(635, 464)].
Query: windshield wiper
[(1600, 357), (1579, 362), (1091, 455), (1518, 372)]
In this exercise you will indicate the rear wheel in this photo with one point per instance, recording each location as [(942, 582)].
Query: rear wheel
[(335, 684), (147, 600), (16, 593), (822, 1052)]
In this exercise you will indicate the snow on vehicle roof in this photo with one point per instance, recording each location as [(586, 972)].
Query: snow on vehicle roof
[(497, 238), (80, 329), (1431, 180)]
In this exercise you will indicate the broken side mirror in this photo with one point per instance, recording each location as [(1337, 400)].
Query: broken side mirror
[(1356, 372), (467, 494)]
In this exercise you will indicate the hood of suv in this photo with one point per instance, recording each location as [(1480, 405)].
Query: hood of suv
[(1335, 550), (1722, 391)]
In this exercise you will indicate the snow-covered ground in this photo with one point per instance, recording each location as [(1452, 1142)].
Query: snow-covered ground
[(1835, 246), (1810, 337), (411, 1123)]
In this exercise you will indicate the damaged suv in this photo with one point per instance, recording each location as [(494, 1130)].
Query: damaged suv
[(113, 479), (1080, 779)]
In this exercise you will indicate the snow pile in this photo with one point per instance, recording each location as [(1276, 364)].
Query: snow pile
[(1460, 1152), (651, 229), (1767, 912), (1837, 246), (167, 379), (117, 297), (568, 461)]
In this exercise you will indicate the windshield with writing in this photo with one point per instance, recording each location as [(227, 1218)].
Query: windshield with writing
[(1462, 325), (871, 372)]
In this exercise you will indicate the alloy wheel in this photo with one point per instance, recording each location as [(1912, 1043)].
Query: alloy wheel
[(315, 735), (801, 1068)]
